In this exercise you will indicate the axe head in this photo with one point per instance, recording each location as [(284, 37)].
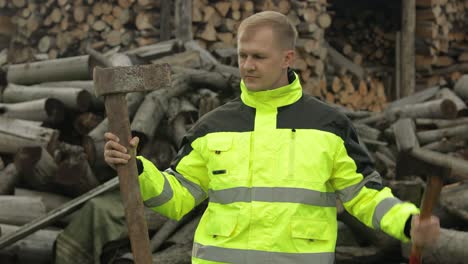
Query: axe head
[(129, 79)]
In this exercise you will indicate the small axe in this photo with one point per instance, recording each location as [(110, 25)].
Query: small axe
[(113, 83), (411, 162)]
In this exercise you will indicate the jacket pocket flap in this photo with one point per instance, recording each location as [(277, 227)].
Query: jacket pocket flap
[(307, 228), (220, 143), (221, 224)]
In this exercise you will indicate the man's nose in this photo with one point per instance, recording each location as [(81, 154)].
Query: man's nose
[(249, 65)]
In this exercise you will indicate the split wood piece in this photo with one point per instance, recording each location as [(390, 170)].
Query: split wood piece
[(36, 167), (148, 116), (65, 69), (73, 98), (368, 132), (447, 93), (57, 213), (208, 101), (341, 61), (8, 179), (113, 83), (47, 110), (189, 59), (74, 176), (156, 50), (18, 210), (37, 248), (461, 87), (459, 132), (16, 133), (415, 98), (441, 123)]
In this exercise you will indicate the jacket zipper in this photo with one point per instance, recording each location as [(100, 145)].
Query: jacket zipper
[(292, 152)]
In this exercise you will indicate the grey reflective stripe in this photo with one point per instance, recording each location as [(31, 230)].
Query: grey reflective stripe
[(382, 208), (348, 193), (231, 255), (273, 194), (194, 189), (163, 197)]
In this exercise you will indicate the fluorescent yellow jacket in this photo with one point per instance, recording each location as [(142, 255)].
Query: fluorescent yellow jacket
[(272, 164)]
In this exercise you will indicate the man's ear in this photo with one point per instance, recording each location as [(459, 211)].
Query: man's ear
[(289, 57)]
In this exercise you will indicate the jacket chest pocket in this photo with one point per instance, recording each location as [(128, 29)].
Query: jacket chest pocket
[(222, 157)]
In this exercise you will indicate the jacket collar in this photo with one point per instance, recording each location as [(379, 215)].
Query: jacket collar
[(281, 96)]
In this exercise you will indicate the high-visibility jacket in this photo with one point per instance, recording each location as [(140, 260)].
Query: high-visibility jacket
[(272, 164)]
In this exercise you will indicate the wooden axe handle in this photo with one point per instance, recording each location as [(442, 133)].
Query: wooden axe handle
[(431, 194)]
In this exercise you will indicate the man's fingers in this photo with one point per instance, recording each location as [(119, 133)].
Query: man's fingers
[(112, 145), (116, 154), (109, 136), (134, 142), (116, 161)]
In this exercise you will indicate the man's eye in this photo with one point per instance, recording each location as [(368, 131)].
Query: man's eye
[(258, 57)]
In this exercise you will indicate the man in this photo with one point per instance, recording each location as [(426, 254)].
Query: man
[(272, 163)]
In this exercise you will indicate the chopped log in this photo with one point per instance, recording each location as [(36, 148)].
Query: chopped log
[(440, 108), (447, 93), (461, 87), (415, 98), (454, 198), (410, 189), (36, 167), (189, 58), (15, 134), (449, 248), (149, 114), (405, 126), (50, 200), (37, 248), (47, 110), (349, 254), (73, 98), (66, 69), (18, 210), (459, 132), (445, 145), (74, 176), (57, 213), (441, 123), (458, 166), (8, 179)]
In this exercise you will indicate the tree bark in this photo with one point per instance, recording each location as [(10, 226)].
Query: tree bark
[(460, 132)]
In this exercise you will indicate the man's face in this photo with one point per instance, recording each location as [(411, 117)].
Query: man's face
[(262, 61)]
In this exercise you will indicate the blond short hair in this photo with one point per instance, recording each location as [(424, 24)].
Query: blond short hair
[(284, 30)]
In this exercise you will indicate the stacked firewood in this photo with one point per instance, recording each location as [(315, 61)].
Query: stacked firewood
[(215, 26), (442, 42), (60, 28), (360, 58)]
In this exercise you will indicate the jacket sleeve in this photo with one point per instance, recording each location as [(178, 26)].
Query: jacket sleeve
[(177, 190), (359, 186)]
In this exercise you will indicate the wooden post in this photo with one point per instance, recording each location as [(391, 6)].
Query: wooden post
[(183, 20), (397, 92), (165, 30), (408, 21)]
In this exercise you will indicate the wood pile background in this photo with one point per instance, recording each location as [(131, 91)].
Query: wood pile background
[(442, 41), (52, 124)]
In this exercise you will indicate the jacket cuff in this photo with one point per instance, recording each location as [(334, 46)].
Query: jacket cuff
[(407, 229), (140, 167)]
